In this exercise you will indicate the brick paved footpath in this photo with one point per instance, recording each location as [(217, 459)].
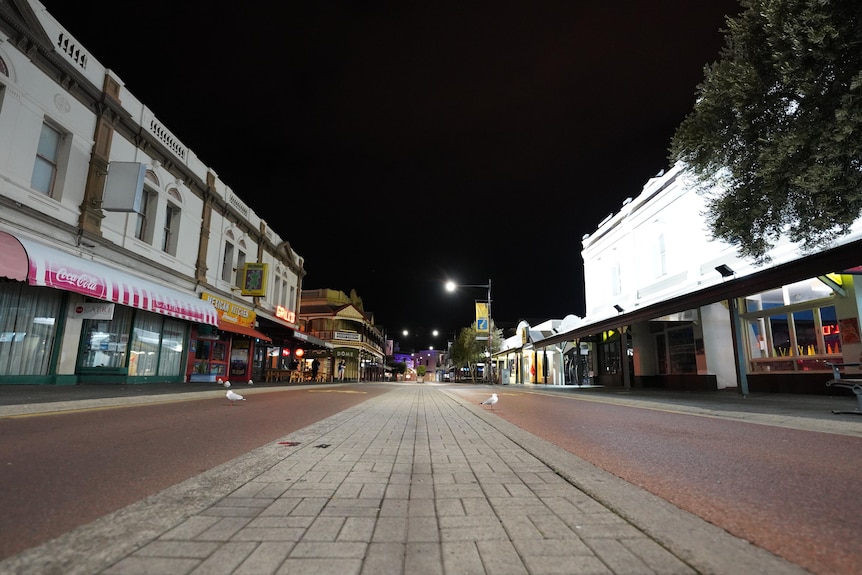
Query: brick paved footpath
[(416, 481)]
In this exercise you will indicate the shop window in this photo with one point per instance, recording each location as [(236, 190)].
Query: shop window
[(798, 340), (680, 349), (47, 163), (106, 341), (661, 354), (171, 350), (28, 323), (144, 349), (830, 329), (779, 329)]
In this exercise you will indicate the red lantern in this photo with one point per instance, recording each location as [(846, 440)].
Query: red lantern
[(299, 352)]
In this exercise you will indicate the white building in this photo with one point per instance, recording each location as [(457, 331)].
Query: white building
[(667, 306), (124, 255)]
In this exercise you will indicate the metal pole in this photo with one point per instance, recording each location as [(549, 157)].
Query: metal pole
[(488, 363)]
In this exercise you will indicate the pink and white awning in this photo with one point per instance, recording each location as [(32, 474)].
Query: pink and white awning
[(51, 267)]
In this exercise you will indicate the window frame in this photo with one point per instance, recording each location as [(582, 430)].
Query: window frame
[(171, 230), (53, 164)]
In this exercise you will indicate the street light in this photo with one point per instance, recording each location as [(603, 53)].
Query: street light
[(452, 286)]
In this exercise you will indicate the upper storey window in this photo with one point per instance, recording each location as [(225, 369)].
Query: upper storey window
[(47, 161)]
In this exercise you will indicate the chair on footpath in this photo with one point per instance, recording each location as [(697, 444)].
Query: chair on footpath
[(854, 385)]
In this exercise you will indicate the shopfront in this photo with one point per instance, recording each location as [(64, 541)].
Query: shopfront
[(226, 352), (291, 353), (69, 320)]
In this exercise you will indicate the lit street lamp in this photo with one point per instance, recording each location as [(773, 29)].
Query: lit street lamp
[(452, 286)]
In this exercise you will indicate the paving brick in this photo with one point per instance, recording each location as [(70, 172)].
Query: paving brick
[(384, 559), (422, 529), (264, 560), (226, 559), (423, 558)]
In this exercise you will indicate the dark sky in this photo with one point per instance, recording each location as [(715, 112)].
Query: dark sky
[(397, 144)]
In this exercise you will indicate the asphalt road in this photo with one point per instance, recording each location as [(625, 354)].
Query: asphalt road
[(789, 491)]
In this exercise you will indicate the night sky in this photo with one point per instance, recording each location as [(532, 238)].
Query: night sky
[(399, 144)]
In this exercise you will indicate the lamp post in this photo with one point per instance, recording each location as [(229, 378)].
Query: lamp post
[(452, 286)]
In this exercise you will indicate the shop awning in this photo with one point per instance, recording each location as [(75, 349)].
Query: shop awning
[(236, 328), (51, 267), (13, 259), (311, 340)]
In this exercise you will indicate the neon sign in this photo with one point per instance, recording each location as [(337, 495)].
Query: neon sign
[(831, 329)]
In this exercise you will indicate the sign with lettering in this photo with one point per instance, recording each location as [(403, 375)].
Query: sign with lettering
[(89, 310), (285, 314), (230, 311), (347, 336)]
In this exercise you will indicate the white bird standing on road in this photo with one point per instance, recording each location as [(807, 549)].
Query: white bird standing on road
[(490, 401), (233, 396)]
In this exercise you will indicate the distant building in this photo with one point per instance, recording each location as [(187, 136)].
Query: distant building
[(348, 330)]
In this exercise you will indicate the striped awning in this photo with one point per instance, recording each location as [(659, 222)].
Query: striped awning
[(48, 266)]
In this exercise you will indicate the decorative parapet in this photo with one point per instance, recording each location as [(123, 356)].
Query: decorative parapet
[(165, 136), (72, 51), (239, 205)]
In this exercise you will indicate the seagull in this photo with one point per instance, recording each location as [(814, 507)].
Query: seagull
[(224, 383), (233, 396), (490, 401), (250, 382)]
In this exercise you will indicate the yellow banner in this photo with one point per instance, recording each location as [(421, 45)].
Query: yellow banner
[(482, 323)]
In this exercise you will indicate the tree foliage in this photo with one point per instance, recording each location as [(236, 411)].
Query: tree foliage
[(468, 351), (775, 137)]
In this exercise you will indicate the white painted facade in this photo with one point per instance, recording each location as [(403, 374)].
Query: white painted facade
[(48, 81), (657, 248)]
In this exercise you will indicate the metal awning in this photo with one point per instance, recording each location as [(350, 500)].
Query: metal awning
[(241, 329), (838, 259)]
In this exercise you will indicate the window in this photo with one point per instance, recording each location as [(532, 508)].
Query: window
[(797, 337), (144, 223), (47, 160), (172, 224), (240, 262), (277, 294), (28, 328), (227, 262), (106, 342), (661, 257)]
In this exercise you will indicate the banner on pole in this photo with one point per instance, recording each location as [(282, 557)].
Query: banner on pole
[(482, 322)]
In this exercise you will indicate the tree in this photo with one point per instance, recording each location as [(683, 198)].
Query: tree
[(463, 351), (468, 351), (775, 137)]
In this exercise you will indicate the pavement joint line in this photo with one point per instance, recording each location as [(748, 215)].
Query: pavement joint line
[(92, 548)]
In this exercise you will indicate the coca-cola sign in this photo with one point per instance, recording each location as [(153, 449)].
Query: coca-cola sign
[(80, 282)]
